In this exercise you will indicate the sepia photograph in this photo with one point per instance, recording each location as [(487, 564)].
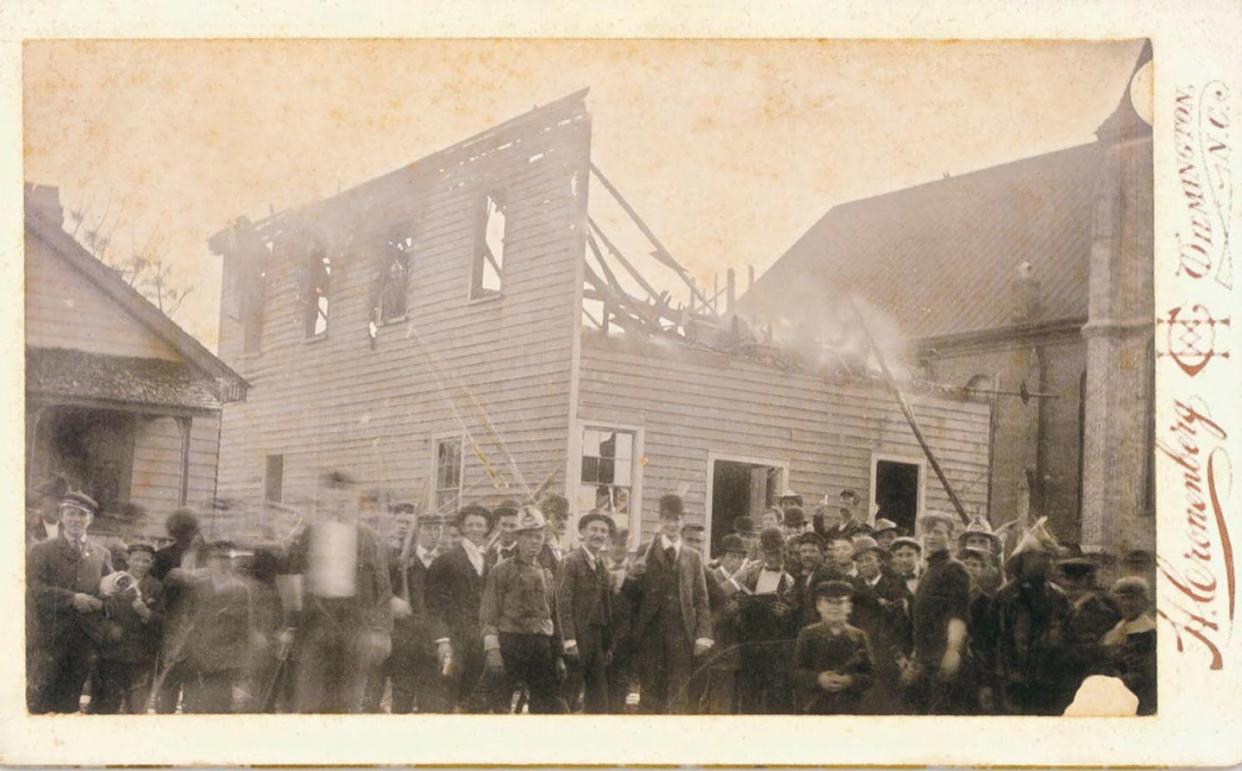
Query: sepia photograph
[(626, 377)]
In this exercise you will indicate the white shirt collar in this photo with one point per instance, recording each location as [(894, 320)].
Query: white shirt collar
[(474, 553), (666, 542), (425, 556)]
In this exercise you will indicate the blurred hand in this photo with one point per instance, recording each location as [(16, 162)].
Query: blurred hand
[(141, 609), (831, 681), (701, 647), (286, 637), (781, 609), (949, 665), (400, 608), (495, 663), (444, 652), (561, 670), (375, 646), (84, 603), (571, 649)]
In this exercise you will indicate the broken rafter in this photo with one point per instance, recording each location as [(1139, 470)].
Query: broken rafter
[(621, 258), (660, 252)]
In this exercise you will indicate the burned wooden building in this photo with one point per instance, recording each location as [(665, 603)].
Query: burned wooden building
[(467, 328), (120, 401)]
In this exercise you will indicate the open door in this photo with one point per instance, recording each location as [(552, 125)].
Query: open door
[(740, 487)]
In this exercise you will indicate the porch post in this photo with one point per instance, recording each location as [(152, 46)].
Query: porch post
[(184, 423)]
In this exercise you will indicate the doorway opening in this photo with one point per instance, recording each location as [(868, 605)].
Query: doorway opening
[(898, 488), (740, 488)]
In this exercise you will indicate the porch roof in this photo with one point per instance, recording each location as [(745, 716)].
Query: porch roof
[(59, 372)]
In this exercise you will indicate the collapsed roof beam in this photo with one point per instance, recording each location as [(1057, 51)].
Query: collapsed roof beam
[(660, 252), (625, 263)]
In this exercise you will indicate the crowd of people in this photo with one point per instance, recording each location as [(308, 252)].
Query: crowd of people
[(487, 612)]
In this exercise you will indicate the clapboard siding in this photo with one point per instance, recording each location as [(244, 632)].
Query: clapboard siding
[(689, 403), (155, 482), (372, 407), (64, 309)]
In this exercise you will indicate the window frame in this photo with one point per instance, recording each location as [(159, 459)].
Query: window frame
[(635, 516), (477, 292), (267, 468), (317, 257), (385, 280), (434, 488)]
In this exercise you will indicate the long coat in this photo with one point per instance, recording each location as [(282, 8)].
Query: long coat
[(584, 598), (454, 594), (416, 634), (55, 572), (692, 589)]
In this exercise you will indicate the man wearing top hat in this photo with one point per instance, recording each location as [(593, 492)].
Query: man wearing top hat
[(519, 620), (584, 598), (935, 676), (672, 623), (414, 666), (134, 605), (62, 583)]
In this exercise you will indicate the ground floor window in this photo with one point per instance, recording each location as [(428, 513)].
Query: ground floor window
[(91, 449), (448, 458), (606, 482)]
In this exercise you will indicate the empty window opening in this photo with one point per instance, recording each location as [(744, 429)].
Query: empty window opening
[(274, 479), (395, 280), (490, 262), (317, 296)]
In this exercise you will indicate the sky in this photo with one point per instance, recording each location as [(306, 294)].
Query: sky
[(730, 150)]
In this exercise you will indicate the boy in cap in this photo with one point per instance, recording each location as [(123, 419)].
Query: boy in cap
[(672, 623), (1133, 641), (134, 605), (505, 515), (832, 660), (584, 598), (519, 620), (62, 583)]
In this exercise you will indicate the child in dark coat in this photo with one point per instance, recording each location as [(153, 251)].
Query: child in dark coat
[(832, 660)]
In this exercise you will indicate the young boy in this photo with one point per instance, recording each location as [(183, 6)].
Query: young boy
[(1133, 641), (832, 660)]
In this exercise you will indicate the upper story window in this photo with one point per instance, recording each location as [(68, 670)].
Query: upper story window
[(394, 280), (317, 295), (487, 272)]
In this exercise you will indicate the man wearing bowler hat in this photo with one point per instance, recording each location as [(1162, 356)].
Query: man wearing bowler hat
[(673, 620), (62, 582), (584, 598)]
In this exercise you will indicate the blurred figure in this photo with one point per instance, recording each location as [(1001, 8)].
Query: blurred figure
[(981, 628), (1133, 641), (767, 626), (832, 660), (1093, 612), (43, 512), (795, 522), (771, 518), (788, 499), (519, 619), (344, 624), (183, 554), (693, 535), (934, 676), (744, 528), (450, 538), (1031, 614), (841, 553), (584, 598), (454, 593), (62, 584), (878, 609), (134, 605), (555, 509), (414, 666), (182, 526), (217, 642), (850, 523), (814, 570)]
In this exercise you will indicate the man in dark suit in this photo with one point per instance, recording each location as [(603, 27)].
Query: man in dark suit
[(182, 554), (345, 622), (134, 605), (584, 598), (767, 627), (673, 622), (414, 666), (62, 583), (454, 593)]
